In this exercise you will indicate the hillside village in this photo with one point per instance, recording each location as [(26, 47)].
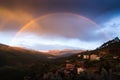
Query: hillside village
[(33, 65)]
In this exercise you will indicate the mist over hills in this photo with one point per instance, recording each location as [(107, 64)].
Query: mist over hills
[(64, 53), (108, 50), (10, 55), (16, 62), (15, 55)]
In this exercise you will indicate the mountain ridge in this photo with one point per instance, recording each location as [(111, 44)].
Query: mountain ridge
[(109, 49), (17, 55)]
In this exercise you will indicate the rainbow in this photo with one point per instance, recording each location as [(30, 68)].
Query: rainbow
[(34, 21)]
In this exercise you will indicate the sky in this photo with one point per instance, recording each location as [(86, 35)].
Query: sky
[(59, 24)]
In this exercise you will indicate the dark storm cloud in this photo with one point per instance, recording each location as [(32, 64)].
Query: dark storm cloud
[(68, 26), (16, 13), (89, 8)]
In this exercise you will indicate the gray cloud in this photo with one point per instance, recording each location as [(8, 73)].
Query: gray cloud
[(49, 47), (87, 8), (68, 26), (16, 13)]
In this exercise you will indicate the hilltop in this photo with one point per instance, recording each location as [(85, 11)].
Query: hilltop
[(109, 49), (16, 55), (112, 47)]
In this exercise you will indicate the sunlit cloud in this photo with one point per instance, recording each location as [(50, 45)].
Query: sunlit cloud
[(12, 20), (58, 31)]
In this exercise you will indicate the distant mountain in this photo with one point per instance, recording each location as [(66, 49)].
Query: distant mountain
[(16, 55), (108, 49), (111, 47), (64, 53), (106, 44)]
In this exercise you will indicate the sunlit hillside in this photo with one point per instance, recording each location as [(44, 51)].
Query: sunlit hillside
[(16, 55)]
